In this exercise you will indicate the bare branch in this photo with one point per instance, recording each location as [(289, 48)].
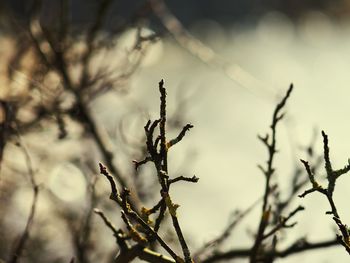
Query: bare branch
[(268, 172), (115, 196), (192, 179), (332, 176)]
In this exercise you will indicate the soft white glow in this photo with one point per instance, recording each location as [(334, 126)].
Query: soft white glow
[(67, 182)]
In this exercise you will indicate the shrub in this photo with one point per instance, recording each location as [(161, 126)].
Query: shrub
[(50, 82)]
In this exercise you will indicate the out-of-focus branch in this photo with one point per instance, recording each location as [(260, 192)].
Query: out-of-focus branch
[(216, 242), (298, 247), (20, 244), (205, 53), (142, 253), (6, 116), (59, 64), (90, 40), (118, 234), (83, 235), (283, 222)]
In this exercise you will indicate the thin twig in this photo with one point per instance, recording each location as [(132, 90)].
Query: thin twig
[(128, 253), (268, 172), (164, 169), (332, 176), (115, 196), (180, 136)]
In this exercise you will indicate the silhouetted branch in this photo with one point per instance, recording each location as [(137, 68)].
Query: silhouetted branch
[(162, 170), (115, 196), (270, 144), (139, 163), (332, 176), (180, 136)]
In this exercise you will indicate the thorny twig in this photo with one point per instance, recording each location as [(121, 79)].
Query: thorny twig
[(161, 164), (54, 59), (128, 253), (115, 196), (159, 159), (332, 176)]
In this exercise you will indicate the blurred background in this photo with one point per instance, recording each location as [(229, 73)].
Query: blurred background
[(65, 64)]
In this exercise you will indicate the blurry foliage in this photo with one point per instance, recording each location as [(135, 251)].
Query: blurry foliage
[(51, 73)]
